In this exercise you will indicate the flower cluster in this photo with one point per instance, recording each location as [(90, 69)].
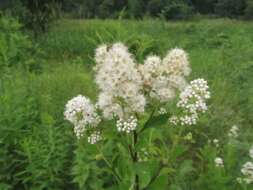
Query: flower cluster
[(125, 89), (218, 162), (216, 142), (120, 82), (233, 132), (162, 111), (94, 137), (192, 102), (127, 125), (82, 114), (162, 78), (247, 170)]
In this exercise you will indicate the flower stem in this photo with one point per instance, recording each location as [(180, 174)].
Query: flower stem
[(135, 159), (117, 177)]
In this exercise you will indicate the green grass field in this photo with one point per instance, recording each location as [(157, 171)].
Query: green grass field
[(39, 150)]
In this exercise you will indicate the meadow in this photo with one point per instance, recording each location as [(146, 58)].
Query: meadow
[(38, 149)]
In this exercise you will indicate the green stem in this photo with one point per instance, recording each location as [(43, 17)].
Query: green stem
[(117, 177), (135, 159), (147, 122), (175, 143)]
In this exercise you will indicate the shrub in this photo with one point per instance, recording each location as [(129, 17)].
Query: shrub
[(16, 48), (106, 9), (204, 6), (155, 7), (39, 14), (230, 8), (178, 11), (249, 10), (136, 8)]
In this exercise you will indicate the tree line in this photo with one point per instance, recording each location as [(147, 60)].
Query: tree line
[(38, 13)]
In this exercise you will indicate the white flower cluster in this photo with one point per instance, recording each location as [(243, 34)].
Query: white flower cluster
[(247, 170), (94, 137), (192, 102), (219, 162), (126, 87), (82, 114), (233, 132), (128, 125), (216, 142), (162, 78), (162, 111), (120, 82)]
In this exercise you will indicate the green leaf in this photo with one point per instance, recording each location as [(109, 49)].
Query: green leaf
[(143, 172), (185, 168), (156, 121), (160, 183)]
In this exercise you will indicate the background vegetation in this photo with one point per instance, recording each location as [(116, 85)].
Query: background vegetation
[(38, 74), (37, 15), (38, 148)]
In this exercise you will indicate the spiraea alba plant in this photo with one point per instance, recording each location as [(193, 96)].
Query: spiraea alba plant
[(144, 103)]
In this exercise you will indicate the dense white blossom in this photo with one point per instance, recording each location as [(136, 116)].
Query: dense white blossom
[(247, 171), (120, 82), (150, 70), (193, 101), (81, 112), (176, 63), (163, 78), (94, 137), (125, 89), (127, 125), (218, 162), (233, 132), (100, 54)]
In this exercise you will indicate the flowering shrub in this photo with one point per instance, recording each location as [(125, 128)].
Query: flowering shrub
[(135, 97)]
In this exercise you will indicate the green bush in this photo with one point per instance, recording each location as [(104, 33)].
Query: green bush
[(249, 10), (178, 11), (136, 8), (230, 8), (204, 6), (39, 14), (154, 7), (16, 48)]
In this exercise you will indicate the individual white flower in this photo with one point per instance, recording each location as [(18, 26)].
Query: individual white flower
[(94, 137), (120, 83), (251, 152), (233, 132), (127, 125), (218, 162), (193, 101), (81, 112), (162, 111), (247, 171)]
